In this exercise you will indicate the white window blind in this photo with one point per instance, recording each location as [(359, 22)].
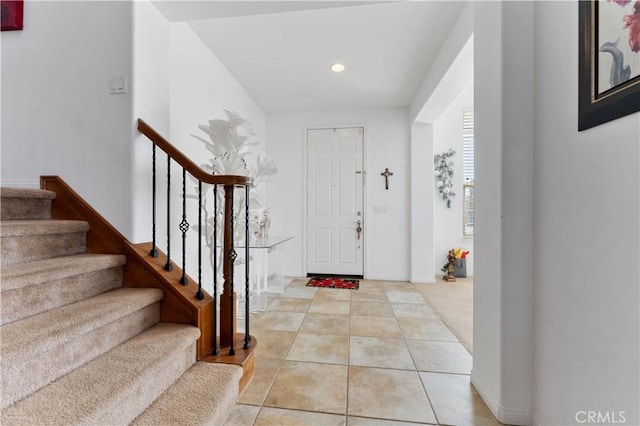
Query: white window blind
[(467, 147), (468, 173)]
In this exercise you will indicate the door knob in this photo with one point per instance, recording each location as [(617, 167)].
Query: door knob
[(359, 228)]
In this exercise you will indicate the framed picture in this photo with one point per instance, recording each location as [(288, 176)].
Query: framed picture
[(11, 15), (609, 71)]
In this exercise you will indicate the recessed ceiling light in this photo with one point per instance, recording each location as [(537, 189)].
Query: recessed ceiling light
[(337, 67)]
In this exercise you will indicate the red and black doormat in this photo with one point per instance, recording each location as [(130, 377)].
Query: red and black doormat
[(334, 282)]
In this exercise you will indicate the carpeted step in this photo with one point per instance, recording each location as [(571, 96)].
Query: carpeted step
[(41, 348), (117, 386), (34, 287), (25, 204), (204, 395), (29, 240)]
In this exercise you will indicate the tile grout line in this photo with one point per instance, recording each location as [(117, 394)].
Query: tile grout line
[(435, 416), (346, 408), (277, 370), (405, 340)]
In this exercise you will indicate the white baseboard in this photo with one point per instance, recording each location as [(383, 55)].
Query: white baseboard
[(515, 416), (536, 420), (422, 278), (20, 183), (382, 277), (419, 282), (292, 274), (505, 415)]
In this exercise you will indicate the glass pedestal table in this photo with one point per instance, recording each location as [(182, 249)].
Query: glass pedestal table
[(266, 270)]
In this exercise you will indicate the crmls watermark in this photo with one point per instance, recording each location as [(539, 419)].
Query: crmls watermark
[(601, 417)]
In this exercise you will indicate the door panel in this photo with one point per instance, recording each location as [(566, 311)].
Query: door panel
[(334, 201), (346, 250), (322, 253), (323, 191), (348, 143), (347, 188)]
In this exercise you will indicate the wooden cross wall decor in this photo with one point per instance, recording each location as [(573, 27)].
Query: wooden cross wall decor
[(386, 175)]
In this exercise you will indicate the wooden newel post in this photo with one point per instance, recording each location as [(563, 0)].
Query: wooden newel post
[(228, 296)]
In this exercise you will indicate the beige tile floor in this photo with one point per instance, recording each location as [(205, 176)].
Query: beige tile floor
[(379, 355)]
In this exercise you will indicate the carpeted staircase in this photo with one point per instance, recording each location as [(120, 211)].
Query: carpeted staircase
[(78, 348)]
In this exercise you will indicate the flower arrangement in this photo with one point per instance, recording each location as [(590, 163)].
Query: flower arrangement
[(460, 253), (454, 258), (259, 223), (230, 143), (443, 165)]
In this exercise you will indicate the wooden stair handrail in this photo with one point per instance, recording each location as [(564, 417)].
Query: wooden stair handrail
[(185, 162), (228, 299), (142, 271), (178, 305)]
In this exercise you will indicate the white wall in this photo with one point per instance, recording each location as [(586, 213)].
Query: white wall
[(201, 87), (517, 209), (447, 222), (57, 114), (387, 141), (441, 91), (556, 324), (503, 230), (150, 84), (586, 206), (455, 42), (422, 189)]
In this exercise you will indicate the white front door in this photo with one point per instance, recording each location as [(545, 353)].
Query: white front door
[(335, 220)]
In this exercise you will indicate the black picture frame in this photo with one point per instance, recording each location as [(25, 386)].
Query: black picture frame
[(594, 108)]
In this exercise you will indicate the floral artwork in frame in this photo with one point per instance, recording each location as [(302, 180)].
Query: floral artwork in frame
[(11, 13), (609, 73)]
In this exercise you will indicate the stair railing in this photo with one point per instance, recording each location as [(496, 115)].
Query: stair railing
[(227, 312)]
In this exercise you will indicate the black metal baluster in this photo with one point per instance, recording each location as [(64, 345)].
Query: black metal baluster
[(216, 350), (154, 251), (184, 227), (232, 256), (168, 266), (246, 268), (199, 294)]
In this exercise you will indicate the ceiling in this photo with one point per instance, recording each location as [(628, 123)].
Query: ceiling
[(184, 10), (281, 51)]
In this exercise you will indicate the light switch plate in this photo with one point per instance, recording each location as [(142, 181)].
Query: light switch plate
[(118, 84)]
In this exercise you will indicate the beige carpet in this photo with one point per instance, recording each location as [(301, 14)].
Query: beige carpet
[(77, 348), (204, 384), (454, 303)]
